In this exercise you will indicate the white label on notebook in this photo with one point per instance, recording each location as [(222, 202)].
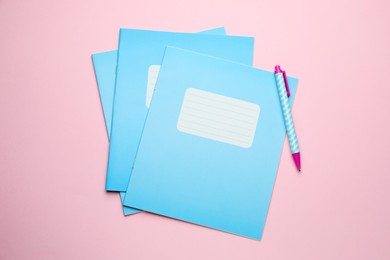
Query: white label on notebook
[(218, 117), (152, 78)]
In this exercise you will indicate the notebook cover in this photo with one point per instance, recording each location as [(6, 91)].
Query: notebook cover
[(139, 56), (211, 145)]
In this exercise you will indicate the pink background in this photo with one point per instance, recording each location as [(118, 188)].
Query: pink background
[(53, 146)]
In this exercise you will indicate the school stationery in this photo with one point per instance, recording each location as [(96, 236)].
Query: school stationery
[(139, 58), (211, 144), (105, 65), (283, 90), (105, 71)]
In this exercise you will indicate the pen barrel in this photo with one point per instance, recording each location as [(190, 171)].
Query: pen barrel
[(286, 110)]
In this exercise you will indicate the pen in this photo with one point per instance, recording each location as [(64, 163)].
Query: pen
[(284, 92)]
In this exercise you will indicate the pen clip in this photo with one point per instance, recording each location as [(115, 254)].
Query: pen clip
[(286, 83)]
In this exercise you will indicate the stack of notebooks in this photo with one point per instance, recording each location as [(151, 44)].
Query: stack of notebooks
[(196, 133)]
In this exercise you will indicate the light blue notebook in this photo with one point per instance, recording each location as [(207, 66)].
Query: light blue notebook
[(139, 57), (211, 145), (105, 66), (105, 70)]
